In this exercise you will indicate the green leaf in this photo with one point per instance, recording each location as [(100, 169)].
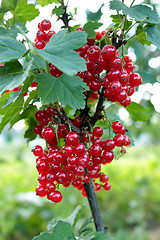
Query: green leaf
[(138, 12), (141, 35), (73, 218), (3, 99), (32, 95), (138, 112), (24, 12), (101, 236), (11, 112), (153, 35), (60, 51), (66, 89), (12, 98), (46, 2), (85, 229), (90, 28), (94, 16), (62, 231), (29, 133), (29, 112), (58, 11), (11, 49), (11, 32), (117, 19), (12, 75), (8, 5)]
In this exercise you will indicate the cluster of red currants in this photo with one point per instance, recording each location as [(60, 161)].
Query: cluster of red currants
[(73, 162), (119, 82), (44, 34)]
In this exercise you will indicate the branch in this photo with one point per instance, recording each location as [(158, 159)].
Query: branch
[(91, 196), (99, 108)]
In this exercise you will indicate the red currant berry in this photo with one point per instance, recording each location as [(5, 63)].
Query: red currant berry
[(98, 131), (41, 190), (56, 196), (45, 25), (38, 150), (107, 186), (93, 52), (104, 178), (119, 140), (135, 79), (127, 141), (48, 133), (108, 52), (72, 138)]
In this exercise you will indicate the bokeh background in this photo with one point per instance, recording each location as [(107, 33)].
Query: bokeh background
[(131, 209)]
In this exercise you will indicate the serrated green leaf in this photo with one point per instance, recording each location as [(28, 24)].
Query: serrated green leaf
[(85, 226), (90, 28), (24, 12), (66, 89), (138, 12), (11, 49), (29, 112), (153, 35), (58, 11), (60, 51), (8, 5), (117, 19), (138, 112), (12, 75), (62, 231), (141, 35), (46, 2), (11, 112), (73, 218), (12, 98), (94, 16), (11, 32)]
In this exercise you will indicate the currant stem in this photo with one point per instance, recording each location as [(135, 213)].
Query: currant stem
[(91, 196)]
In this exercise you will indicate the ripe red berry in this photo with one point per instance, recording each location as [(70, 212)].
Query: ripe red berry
[(107, 157), (98, 131), (40, 44), (41, 35), (127, 141), (72, 138), (56, 196), (119, 140), (107, 186), (135, 79), (38, 150), (117, 126), (41, 190), (48, 133), (45, 25), (108, 52), (104, 178), (93, 52)]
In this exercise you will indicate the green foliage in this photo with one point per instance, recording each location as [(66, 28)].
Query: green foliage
[(142, 37), (60, 51), (90, 28), (11, 112), (12, 32), (62, 231), (117, 19), (21, 10), (11, 49), (58, 10), (46, 2), (153, 35), (138, 112), (65, 89), (138, 12), (94, 16), (24, 12)]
